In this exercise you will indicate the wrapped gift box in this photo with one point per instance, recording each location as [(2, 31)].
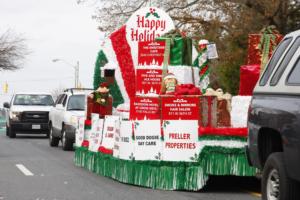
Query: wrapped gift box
[(180, 49), (249, 75), (239, 112), (208, 111), (254, 55), (223, 114)]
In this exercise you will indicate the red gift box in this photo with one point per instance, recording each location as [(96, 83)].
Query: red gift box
[(254, 54), (249, 75), (208, 111)]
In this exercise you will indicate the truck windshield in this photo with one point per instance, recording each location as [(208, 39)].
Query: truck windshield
[(33, 100), (76, 102)]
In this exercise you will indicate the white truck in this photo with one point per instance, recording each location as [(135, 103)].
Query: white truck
[(63, 117), (28, 113)]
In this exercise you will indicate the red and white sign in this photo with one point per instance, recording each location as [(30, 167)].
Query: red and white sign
[(144, 108), (111, 126), (79, 135), (180, 108), (147, 142), (146, 24), (181, 140), (148, 81), (96, 133), (151, 53), (124, 146)]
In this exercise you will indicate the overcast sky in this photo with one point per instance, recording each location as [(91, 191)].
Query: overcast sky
[(53, 29)]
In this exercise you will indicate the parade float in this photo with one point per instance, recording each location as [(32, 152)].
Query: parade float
[(167, 130)]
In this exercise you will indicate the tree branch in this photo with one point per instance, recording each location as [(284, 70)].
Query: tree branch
[(183, 7)]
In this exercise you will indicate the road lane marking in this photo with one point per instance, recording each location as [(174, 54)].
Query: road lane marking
[(24, 170)]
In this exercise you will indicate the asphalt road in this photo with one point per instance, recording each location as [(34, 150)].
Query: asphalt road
[(31, 170)]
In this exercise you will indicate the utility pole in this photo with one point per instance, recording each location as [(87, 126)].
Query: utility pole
[(76, 70)]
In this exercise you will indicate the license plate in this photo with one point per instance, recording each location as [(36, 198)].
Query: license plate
[(36, 126)]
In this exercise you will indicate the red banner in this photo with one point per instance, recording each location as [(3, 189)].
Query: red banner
[(148, 81), (184, 108), (142, 108), (151, 53)]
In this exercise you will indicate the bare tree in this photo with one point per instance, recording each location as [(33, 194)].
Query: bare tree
[(12, 51), (197, 15), (57, 91)]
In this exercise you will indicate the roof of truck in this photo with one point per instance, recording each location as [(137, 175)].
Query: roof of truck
[(34, 93)]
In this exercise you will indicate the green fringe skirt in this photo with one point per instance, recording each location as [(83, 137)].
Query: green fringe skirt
[(168, 175)]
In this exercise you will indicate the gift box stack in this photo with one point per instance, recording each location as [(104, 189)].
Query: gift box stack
[(260, 48)]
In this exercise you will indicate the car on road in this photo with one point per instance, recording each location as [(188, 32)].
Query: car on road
[(28, 113), (274, 123), (63, 117)]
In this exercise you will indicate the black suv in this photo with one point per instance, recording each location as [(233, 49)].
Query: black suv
[(274, 123)]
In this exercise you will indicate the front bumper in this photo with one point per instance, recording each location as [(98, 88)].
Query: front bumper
[(29, 127)]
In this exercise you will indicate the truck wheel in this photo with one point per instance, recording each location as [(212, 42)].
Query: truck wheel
[(67, 144), (276, 185), (11, 133), (53, 141)]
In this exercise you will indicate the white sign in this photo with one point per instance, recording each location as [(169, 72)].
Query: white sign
[(212, 51), (79, 135), (124, 147), (111, 126), (96, 133), (146, 24), (147, 142), (180, 140)]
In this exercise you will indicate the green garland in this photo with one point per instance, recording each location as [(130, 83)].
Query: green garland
[(114, 88), (268, 38), (168, 175), (217, 137), (225, 161)]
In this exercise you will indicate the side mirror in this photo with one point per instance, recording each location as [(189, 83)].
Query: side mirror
[(6, 105)]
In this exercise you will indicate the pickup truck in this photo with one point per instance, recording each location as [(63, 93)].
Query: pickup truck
[(274, 123), (28, 113), (63, 117)]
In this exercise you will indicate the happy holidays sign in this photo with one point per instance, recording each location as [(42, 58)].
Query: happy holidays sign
[(146, 24)]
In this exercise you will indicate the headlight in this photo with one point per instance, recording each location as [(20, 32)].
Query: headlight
[(15, 116)]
